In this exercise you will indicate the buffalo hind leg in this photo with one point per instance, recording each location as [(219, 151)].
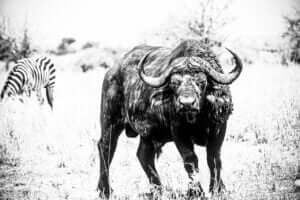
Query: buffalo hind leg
[(107, 146), (112, 124), (146, 156), (214, 160)]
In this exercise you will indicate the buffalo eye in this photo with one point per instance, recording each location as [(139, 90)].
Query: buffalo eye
[(176, 79), (201, 83), (200, 79)]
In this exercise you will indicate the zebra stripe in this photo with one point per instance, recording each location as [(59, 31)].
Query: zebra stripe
[(32, 75)]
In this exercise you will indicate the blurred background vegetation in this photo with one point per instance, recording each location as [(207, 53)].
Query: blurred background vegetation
[(265, 31), (292, 34)]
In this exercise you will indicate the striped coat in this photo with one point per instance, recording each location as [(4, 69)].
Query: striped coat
[(31, 75)]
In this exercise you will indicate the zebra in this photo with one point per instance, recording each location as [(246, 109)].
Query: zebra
[(31, 75)]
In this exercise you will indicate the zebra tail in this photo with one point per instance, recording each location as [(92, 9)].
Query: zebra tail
[(49, 94), (2, 93)]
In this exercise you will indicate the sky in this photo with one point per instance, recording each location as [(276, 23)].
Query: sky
[(124, 23)]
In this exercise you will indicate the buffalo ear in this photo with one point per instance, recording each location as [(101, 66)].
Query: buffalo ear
[(160, 97), (215, 99)]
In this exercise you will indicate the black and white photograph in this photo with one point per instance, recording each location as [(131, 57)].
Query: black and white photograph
[(149, 100)]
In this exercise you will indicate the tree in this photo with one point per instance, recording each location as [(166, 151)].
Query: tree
[(210, 19), (292, 34), (10, 49), (25, 49)]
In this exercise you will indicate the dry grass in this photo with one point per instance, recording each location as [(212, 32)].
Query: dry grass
[(53, 155)]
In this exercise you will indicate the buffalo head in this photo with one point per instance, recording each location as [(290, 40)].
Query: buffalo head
[(187, 78)]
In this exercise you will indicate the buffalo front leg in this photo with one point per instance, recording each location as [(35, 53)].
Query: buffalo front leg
[(186, 150), (107, 146), (146, 156), (214, 160)]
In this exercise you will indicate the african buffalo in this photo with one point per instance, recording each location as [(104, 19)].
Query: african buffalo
[(164, 95)]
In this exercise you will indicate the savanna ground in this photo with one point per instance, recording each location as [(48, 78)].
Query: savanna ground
[(53, 155)]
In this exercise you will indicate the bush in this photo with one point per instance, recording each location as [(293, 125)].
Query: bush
[(292, 34), (90, 44), (64, 47), (211, 18), (10, 51)]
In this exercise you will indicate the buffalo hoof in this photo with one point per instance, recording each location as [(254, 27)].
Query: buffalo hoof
[(155, 193), (150, 196), (103, 194), (215, 188), (104, 191), (195, 191)]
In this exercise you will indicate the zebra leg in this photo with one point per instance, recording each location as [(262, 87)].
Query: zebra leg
[(27, 91), (40, 96), (49, 95), (8, 63)]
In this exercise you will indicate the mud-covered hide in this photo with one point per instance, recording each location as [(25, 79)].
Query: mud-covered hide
[(141, 100), (218, 105), (144, 104)]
